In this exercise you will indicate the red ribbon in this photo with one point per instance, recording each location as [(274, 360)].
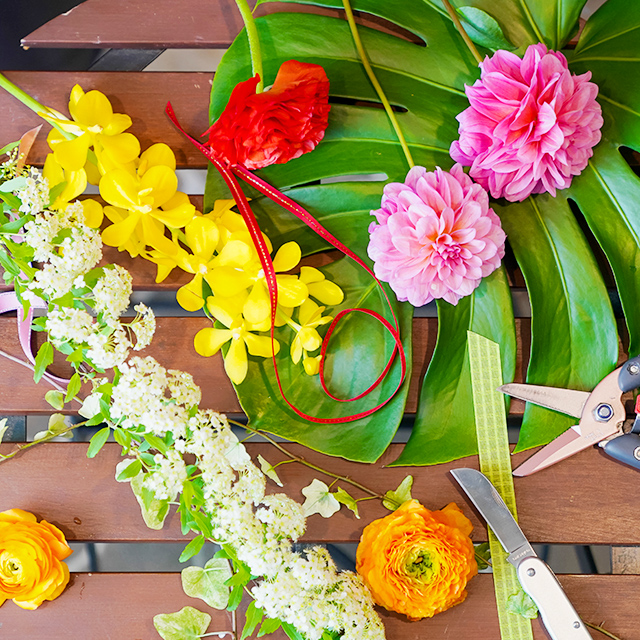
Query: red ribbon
[(227, 172)]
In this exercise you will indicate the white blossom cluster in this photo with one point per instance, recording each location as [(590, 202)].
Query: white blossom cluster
[(35, 195), (303, 589), (112, 293), (66, 246)]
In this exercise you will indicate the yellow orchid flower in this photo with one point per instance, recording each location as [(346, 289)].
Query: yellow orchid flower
[(76, 182), (201, 235), (93, 213), (209, 340), (307, 337), (148, 199), (95, 125), (320, 288)]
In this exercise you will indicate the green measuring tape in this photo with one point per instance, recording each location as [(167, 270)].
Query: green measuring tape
[(495, 463)]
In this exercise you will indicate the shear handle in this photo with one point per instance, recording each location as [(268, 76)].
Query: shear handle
[(629, 376), (625, 449)]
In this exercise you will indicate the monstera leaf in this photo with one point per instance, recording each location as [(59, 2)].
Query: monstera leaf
[(574, 339)]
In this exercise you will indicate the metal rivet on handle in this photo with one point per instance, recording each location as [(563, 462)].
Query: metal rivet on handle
[(636, 453), (603, 412), (531, 572), (633, 368), (576, 625)]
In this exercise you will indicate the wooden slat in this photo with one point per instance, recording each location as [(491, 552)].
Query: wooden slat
[(168, 24), (583, 500), (172, 346), (141, 95), (122, 606)]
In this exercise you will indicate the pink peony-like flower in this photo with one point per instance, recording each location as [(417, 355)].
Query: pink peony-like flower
[(435, 236), (531, 126)]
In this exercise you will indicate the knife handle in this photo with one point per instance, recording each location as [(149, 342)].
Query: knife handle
[(560, 619)]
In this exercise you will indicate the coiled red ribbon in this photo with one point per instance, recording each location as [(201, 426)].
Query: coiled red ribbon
[(229, 173)]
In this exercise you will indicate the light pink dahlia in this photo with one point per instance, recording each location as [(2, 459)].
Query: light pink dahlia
[(531, 126), (435, 236)]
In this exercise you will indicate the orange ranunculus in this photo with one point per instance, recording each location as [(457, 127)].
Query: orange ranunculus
[(31, 554), (416, 561)]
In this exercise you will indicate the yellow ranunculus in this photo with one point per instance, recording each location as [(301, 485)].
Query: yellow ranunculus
[(417, 562), (31, 554)]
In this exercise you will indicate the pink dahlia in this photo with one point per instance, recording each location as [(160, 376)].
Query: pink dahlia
[(435, 236), (531, 126)]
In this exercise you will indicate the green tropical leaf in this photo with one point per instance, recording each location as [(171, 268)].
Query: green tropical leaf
[(574, 341), (444, 427), (426, 84)]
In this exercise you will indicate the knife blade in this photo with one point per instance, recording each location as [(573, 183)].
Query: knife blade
[(560, 619)]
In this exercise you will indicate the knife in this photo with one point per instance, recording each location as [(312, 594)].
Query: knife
[(560, 619)]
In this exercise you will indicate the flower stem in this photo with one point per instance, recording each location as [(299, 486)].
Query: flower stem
[(254, 41), (30, 102), (465, 36), (28, 445), (374, 81), (602, 631), (306, 463)]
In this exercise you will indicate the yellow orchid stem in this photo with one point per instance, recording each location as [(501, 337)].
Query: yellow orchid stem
[(30, 102), (465, 36), (254, 41), (374, 81)]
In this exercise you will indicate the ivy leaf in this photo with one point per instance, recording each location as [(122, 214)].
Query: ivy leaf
[(154, 511), (521, 604), (186, 624), (269, 470), (319, 500), (55, 399), (483, 555), (344, 498), (236, 454), (57, 424), (208, 584), (253, 617), (3, 428), (394, 499), (483, 29)]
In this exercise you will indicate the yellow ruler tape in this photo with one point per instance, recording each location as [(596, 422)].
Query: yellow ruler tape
[(495, 463)]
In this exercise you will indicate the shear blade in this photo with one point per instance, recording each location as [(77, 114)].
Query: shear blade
[(565, 445), (568, 401)]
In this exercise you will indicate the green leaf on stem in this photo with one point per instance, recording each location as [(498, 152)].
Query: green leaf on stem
[(208, 584), (348, 501), (319, 500), (98, 441), (253, 617), (75, 383), (269, 470), (192, 549), (186, 624), (483, 555), (57, 424), (395, 499), (44, 358), (269, 625), (291, 631)]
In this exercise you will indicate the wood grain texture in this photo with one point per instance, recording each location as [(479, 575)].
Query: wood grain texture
[(173, 347), (583, 500), (122, 606), (143, 96), (200, 24)]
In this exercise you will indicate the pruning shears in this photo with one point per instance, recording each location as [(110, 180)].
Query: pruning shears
[(601, 416)]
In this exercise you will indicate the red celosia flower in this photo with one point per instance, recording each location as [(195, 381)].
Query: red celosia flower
[(273, 127)]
